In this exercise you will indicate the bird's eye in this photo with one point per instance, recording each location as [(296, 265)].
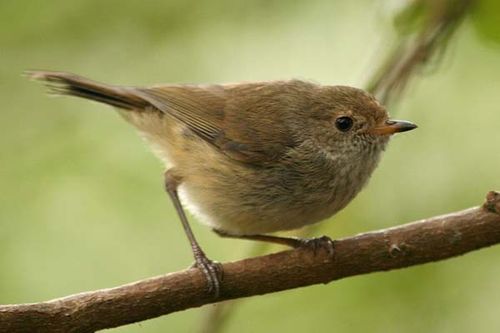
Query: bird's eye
[(344, 123)]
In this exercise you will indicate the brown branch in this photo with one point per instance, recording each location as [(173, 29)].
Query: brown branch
[(412, 54), (411, 244)]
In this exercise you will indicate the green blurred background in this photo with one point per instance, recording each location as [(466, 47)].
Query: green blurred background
[(81, 200)]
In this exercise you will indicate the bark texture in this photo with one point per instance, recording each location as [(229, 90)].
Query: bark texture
[(424, 241)]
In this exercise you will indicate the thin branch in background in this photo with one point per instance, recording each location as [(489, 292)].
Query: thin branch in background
[(411, 55), (413, 52), (217, 316)]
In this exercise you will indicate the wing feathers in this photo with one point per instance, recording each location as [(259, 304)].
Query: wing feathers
[(220, 115), (183, 107)]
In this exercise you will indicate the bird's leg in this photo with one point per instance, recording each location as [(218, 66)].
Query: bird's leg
[(314, 243), (211, 269)]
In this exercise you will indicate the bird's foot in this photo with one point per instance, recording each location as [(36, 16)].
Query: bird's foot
[(316, 244), (212, 270)]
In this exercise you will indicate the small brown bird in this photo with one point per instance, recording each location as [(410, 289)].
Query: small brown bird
[(252, 158)]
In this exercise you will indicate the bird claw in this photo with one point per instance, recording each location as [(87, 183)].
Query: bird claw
[(213, 272), (317, 243)]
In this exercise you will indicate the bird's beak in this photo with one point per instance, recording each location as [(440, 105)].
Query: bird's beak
[(393, 126)]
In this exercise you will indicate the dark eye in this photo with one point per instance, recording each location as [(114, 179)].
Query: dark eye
[(344, 123)]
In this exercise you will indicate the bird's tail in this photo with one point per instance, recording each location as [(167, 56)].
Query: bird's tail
[(61, 83)]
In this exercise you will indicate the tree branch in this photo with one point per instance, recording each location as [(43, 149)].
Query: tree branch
[(411, 244), (411, 55)]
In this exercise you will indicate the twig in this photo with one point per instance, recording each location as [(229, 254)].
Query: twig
[(217, 316), (410, 55), (416, 243)]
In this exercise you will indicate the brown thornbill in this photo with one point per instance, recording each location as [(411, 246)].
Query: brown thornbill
[(252, 158)]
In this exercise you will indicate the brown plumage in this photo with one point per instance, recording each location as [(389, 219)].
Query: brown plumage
[(253, 158)]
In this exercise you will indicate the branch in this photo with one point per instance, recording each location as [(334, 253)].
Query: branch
[(411, 244), (394, 74)]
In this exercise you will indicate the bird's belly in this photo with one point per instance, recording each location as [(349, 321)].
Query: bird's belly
[(263, 203), (245, 218)]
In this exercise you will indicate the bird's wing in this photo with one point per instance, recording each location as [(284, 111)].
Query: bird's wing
[(213, 115), (244, 121)]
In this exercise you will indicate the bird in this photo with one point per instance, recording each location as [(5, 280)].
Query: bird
[(252, 158)]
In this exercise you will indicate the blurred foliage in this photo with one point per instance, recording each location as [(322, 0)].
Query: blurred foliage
[(411, 17), (82, 205), (416, 14), (486, 21)]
